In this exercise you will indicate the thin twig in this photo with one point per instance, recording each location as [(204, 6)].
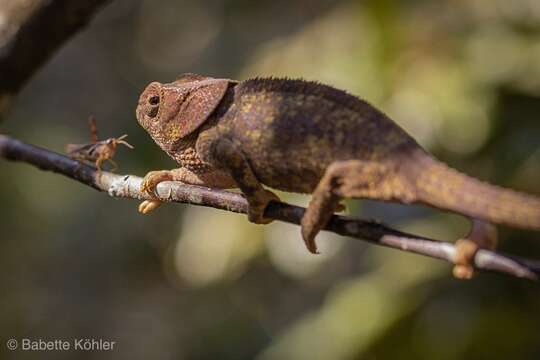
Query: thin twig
[(128, 186)]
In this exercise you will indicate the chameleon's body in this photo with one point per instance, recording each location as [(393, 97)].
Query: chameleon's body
[(305, 137)]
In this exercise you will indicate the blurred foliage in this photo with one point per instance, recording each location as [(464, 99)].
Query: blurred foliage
[(463, 77)]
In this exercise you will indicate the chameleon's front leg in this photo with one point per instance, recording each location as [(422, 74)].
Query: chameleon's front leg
[(223, 153), (212, 178)]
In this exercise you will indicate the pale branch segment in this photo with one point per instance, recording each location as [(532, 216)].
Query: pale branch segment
[(128, 186)]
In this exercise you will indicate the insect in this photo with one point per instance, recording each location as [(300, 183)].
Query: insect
[(96, 152)]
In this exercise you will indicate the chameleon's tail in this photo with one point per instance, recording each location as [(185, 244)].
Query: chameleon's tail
[(441, 186)]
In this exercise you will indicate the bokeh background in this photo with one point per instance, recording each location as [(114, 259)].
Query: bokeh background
[(463, 77)]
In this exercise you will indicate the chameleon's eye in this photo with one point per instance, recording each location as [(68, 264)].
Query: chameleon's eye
[(153, 100)]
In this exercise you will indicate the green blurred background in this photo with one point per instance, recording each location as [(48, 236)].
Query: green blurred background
[(463, 77)]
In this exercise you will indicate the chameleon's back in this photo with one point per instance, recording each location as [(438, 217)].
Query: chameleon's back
[(291, 130)]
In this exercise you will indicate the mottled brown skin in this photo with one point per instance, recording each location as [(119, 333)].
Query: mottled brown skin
[(306, 137)]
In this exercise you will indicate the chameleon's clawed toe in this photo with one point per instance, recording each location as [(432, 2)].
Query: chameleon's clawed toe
[(148, 185), (148, 206), (482, 235), (153, 178), (465, 251), (309, 231), (319, 211)]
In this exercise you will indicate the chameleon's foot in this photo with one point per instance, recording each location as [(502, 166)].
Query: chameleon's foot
[(148, 206), (153, 178), (465, 251), (321, 207), (308, 235), (257, 207), (482, 235), (148, 185), (317, 214)]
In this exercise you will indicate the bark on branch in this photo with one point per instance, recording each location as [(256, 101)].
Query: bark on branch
[(127, 186), (30, 32)]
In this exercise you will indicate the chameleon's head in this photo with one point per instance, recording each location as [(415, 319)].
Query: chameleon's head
[(170, 112)]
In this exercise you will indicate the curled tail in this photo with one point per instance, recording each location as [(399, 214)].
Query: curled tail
[(443, 187)]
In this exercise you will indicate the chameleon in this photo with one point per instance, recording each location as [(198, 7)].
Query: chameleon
[(306, 137)]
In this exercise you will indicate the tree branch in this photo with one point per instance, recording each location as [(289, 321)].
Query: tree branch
[(127, 186), (31, 32)]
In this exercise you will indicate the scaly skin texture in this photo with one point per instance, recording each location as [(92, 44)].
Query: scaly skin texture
[(306, 137)]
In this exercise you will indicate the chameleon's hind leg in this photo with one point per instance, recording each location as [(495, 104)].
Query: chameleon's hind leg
[(349, 179), (482, 235)]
